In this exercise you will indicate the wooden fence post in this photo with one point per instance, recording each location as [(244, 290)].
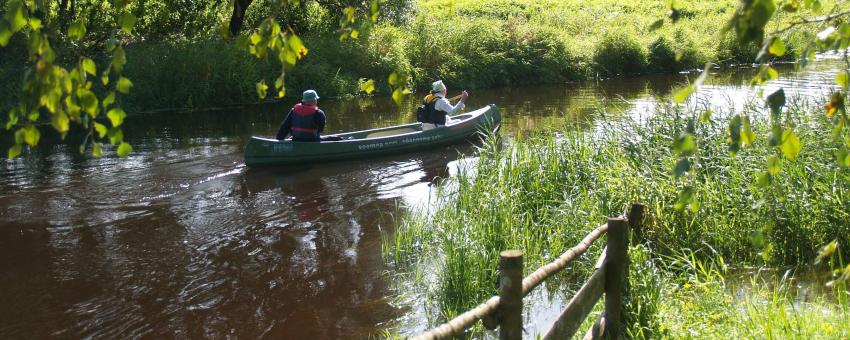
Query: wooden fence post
[(636, 221), (510, 294), (618, 241)]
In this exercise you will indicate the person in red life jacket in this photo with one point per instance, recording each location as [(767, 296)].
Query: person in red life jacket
[(305, 121)]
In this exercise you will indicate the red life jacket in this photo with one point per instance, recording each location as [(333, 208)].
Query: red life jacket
[(304, 122)]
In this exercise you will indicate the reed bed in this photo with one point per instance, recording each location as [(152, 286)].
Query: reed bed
[(541, 194)]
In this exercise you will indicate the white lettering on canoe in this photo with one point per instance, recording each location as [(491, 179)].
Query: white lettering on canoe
[(403, 141), (282, 147)]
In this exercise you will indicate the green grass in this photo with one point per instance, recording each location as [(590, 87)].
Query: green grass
[(542, 194)]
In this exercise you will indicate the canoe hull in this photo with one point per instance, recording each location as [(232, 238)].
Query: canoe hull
[(372, 143)]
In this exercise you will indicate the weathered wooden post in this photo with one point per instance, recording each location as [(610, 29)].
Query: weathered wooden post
[(510, 294), (637, 214), (618, 241)]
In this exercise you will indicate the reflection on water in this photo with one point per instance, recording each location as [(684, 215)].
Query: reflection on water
[(182, 240)]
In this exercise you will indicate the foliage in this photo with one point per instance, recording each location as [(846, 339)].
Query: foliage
[(66, 95), (750, 25), (620, 54), (543, 193)]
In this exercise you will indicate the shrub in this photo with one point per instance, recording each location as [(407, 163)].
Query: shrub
[(619, 54), (663, 51)]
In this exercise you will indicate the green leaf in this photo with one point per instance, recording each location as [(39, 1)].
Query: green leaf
[(116, 135), (35, 24), (287, 57), (224, 30), (77, 30), (705, 117), (398, 95), (97, 150), (750, 20), (350, 14), (757, 238), (116, 116), (262, 88), (776, 100), (124, 149), (127, 21), (777, 47), (16, 16), (790, 144), (100, 129), (72, 108), (748, 137), (15, 151), (5, 33), (791, 7), (19, 136), (764, 179), (124, 85), (686, 198), (685, 144), (656, 25), (295, 45), (774, 165), (734, 139), (110, 98), (393, 79), (89, 66), (111, 43), (104, 77), (367, 85), (119, 59), (842, 156), (255, 38), (31, 135), (682, 166), (842, 79), (767, 252), (765, 74), (682, 95), (88, 102), (61, 122), (279, 86)]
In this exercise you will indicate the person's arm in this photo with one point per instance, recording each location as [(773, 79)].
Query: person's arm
[(444, 105), (285, 127), (320, 121)]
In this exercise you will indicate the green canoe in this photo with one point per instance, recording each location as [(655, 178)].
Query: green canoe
[(371, 143)]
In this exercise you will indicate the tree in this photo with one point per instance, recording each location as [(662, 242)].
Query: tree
[(81, 94)]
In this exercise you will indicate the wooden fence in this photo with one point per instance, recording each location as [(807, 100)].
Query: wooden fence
[(610, 274)]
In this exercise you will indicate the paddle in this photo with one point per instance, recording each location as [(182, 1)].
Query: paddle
[(455, 98)]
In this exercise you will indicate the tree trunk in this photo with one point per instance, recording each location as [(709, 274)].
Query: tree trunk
[(239, 8)]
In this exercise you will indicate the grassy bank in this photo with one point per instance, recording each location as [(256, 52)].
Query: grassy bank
[(542, 194), (470, 44)]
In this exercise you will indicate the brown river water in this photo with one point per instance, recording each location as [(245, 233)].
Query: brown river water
[(182, 240)]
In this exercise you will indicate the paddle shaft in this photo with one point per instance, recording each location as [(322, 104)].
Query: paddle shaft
[(455, 98)]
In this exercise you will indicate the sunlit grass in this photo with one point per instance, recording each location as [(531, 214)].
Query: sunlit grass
[(541, 194)]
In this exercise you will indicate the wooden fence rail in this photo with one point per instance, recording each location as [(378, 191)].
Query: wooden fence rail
[(505, 311)]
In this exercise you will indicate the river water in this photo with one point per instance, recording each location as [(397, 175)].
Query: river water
[(182, 240)]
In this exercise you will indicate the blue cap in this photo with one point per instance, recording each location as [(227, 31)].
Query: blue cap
[(309, 95)]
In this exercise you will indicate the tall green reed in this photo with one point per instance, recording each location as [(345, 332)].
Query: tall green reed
[(543, 193)]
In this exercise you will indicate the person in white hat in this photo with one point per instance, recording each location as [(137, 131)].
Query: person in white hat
[(305, 121), (439, 107)]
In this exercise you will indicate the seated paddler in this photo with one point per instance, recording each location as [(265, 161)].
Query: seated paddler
[(438, 107), (305, 121)]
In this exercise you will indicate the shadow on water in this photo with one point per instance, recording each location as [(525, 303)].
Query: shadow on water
[(180, 239)]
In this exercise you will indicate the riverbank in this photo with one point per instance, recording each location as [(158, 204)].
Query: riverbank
[(469, 44), (543, 193)]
